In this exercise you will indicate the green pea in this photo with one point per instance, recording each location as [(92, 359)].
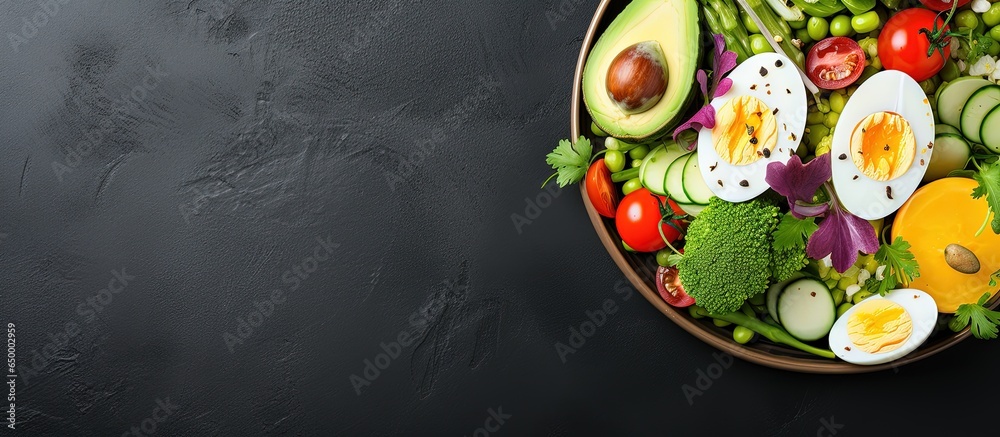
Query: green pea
[(950, 70), (816, 133), (597, 130), (662, 257), (866, 22), (639, 152), (966, 19), (994, 49), (859, 296), (721, 323), (831, 119), (995, 33), (837, 102), (749, 24), (614, 160), (803, 35), (742, 335), (758, 44), (801, 24), (815, 117), (631, 185), (841, 26), (992, 16), (843, 308), (636, 163), (818, 28)]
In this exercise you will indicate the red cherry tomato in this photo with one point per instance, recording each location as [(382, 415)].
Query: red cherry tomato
[(941, 5), (902, 47), (835, 63), (638, 217), (668, 284), (601, 190)]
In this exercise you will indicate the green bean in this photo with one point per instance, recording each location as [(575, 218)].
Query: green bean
[(818, 28), (757, 299), (735, 37), (696, 312), (866, 22), (721, 323), (771, 332), (742, 335)]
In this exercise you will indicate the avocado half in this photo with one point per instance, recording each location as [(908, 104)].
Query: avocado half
[(672, 23)]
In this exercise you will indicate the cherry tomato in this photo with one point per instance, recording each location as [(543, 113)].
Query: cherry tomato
[(601, 190), (638, 217), (668, 284), (902, 47), (941, 5), (835, 63)]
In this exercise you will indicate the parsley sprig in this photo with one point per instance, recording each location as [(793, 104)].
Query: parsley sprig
[(983, 320), (988, 177), (900, 267), (793, 233), (570, 161)]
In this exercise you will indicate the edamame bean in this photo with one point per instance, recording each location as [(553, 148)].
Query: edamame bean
[(818, 28), (815, 117), (995, 33), (992, 16), (859, 296), (742, 335), (614, 160), (994, 49), (803, 35), (950, 70), (841, 26), (663, 257), (865, 22), (631, 185), (639, 152), (831, 119), (759, 44), (636, 163), (967, 19), (749, 24), (843, 308), (837, 102)]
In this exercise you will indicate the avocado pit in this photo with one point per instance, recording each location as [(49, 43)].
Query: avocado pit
[(961, 259), (637, 77)]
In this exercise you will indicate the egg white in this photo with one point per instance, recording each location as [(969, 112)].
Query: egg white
[(923, 313), (891, 91), (780, 88)]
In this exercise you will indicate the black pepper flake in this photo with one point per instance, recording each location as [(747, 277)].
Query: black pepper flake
[(712, 167), (749, 129), (930, 145), (767, 84), (778, 63), (763, 71), (774, 112), (863, 130), (767, 153), (921, 161), (788, 91), (768, 92), (759, 113), (720, 182), (813, 294), (784, 126), (888, 192), (886, 148), (842, 156), (915, 296), (753, 87), (847, 348), (854, 178), (753, 140), (794, 137), (744, 183)]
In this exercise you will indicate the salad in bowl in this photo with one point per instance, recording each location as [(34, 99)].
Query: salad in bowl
[(810, 185)]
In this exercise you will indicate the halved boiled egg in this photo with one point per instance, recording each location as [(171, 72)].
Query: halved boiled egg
[(758, 121), (882, 329), (882, 145)]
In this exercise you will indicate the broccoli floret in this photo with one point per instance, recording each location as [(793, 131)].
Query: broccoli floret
[(727, 257), (786, 262)]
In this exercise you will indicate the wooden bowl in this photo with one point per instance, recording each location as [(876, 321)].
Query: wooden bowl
[(641, 268)]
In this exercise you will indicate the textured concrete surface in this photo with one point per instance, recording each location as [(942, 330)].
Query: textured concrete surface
[(294, 218)]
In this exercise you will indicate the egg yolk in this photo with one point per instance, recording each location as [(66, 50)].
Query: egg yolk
[(879, 326), (745, 131), (883, 146)]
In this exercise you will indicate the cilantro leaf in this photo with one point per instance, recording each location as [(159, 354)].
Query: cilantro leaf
[(979, 45), (901, 266), (570, 161), (793, 232), (984, 321), (989, 186)]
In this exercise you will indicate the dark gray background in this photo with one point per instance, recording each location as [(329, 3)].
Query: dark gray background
[(271, 123)]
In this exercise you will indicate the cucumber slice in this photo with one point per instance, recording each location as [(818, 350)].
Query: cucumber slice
[(654, 165), (673, 183), (951, 152), (695, 187), (989, 132), (807, 309), (693, 209), (981, 103), (945, 129), (774, 291), (953, 97)]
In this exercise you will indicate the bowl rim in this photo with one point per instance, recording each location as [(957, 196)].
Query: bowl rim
[(679, 315)]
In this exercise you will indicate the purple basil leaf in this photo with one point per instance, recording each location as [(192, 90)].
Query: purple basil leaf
[(841, 235), (801, 211), (725, 63), (723, 87), (798, 182), (703, 81), (720, 44), (704, 118)]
